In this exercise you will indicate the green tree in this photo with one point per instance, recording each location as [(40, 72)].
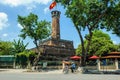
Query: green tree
[(5, 47), (18, 46), (21, 59), (118, 47), (25, 58), (116, 16), (116, 30), (34, 29), (91, 15), (31, 56), (100, 44)]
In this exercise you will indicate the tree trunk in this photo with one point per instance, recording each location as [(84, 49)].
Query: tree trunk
[(83, 48), (39, 54), (37, 58)]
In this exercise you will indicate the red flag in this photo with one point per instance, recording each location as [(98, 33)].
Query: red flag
[(53, 4)]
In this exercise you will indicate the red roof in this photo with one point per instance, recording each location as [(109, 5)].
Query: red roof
[(75, 57), (94, 57)]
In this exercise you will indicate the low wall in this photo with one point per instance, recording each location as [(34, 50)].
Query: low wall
[(91, 67)]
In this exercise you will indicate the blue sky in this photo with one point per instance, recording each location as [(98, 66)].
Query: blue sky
[(10, 28)]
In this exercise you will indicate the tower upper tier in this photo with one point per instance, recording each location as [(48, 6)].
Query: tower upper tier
[(55, 24)]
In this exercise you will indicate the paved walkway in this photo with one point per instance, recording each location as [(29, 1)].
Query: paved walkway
[(59, 76), (52, 71), (28, 71), (22, 74), (13, 70)]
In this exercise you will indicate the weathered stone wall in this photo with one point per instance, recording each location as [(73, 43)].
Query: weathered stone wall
[(59, 43)]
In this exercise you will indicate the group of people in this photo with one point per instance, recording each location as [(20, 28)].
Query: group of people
[(72, 67)]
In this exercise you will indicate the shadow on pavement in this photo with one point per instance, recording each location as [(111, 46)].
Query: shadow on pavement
[(101, 72)]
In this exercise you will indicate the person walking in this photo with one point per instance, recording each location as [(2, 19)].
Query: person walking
[(73, 66)]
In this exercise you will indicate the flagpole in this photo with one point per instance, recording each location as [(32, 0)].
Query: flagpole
[(56, 5)]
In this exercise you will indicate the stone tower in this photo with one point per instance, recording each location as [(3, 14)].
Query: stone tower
[(55, 48), (55, 25)]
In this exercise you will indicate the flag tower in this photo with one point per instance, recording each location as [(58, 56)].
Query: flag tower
[(56, 47)]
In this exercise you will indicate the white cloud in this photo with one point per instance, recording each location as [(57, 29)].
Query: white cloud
[(15, 3), (19, 26), (46, 10), (5, 35), (3, 20), (31, 7)]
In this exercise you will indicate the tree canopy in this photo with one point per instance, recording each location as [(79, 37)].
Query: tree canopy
[(91, 15), (34, 29), (101, 44), (18, 46), (5, 47)]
